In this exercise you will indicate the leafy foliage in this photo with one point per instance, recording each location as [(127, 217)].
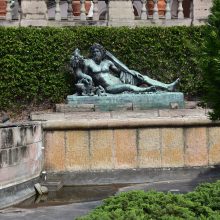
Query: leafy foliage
[(211, 61), (201, 204), (34, 61)]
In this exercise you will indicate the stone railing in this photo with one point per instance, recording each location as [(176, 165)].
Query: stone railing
[(137, 12)]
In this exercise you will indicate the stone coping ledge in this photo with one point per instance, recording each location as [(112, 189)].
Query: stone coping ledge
[(128, 123), (19, 124)]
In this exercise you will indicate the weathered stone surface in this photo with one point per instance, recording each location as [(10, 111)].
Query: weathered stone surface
[(21, 159), (201, 8), (34, 9), (152, 113), (214, 145), (125, 152), (140, 101), (101, 149), (77, 150), (172, 147), (46, 116), (116, 8), (55, 150), (182, 112), (149, 148), (196, 151), (86, 115), (75, 108)]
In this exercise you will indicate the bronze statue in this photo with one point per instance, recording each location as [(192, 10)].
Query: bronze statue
[(103, 73)]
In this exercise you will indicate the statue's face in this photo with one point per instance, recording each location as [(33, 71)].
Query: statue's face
[(97, 55)]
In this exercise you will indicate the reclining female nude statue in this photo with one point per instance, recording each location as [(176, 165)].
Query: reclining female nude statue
[(103, 73)]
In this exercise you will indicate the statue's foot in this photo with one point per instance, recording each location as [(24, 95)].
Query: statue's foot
[(171, 87)]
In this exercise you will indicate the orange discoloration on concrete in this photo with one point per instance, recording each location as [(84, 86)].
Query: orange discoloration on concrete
[(172, 157), (214, 146), (125, 148), (172, 147), (150, 158), (55, 151), (101, 147), (77, 150), (149, 147), (196, 152)]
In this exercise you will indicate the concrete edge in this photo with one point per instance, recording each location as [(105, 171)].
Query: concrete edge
[(135, 176), (128, 123), (17, 193)]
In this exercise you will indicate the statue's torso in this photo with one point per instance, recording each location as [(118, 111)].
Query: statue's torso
[(100, 73)]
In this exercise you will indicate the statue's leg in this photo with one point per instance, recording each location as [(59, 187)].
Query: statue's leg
[(158, 84), (115, 89)]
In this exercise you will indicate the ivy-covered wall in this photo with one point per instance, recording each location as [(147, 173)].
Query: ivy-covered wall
[(34, 62)]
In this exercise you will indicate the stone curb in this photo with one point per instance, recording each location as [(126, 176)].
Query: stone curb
[(129, 123)]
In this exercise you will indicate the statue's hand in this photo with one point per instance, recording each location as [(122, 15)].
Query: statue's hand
[(137, 74)]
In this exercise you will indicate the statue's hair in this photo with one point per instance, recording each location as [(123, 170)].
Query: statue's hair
[(99, 47)]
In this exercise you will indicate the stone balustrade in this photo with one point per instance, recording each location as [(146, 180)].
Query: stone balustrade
[(137, 12)]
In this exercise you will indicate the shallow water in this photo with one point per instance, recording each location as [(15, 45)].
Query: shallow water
[(72, 194)]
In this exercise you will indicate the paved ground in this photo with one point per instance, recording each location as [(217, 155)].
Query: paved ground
[(63, 212), (71, 211)]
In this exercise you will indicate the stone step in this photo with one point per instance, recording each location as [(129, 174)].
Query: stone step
[(153, 113)]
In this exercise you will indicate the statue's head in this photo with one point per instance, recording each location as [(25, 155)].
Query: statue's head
[(97, 52)]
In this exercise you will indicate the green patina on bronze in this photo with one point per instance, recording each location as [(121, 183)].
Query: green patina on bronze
[(138, 101), (105, 81)]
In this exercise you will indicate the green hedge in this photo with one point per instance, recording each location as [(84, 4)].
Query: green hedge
[(34, 62), (202, 204)]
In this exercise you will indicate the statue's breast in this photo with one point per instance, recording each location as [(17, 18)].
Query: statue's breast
[(103, 67)]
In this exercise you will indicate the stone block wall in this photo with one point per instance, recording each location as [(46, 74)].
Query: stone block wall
[(132, 144), (21, 157)]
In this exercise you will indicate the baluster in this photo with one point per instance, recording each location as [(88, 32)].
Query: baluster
[(180, 9), (95, 10), (168, 11), (143, 10), (191, 9), (15, 14), (57, 11), (155, 11), (69, 10), (82, 10), (107, 11), (8, 11)]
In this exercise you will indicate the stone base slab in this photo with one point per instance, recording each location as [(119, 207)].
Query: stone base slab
[(130, 101), (137, 176)]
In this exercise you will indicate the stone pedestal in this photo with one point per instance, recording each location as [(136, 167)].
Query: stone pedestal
[(129, 101), (201, 10), (34, 12), (121, 11)]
